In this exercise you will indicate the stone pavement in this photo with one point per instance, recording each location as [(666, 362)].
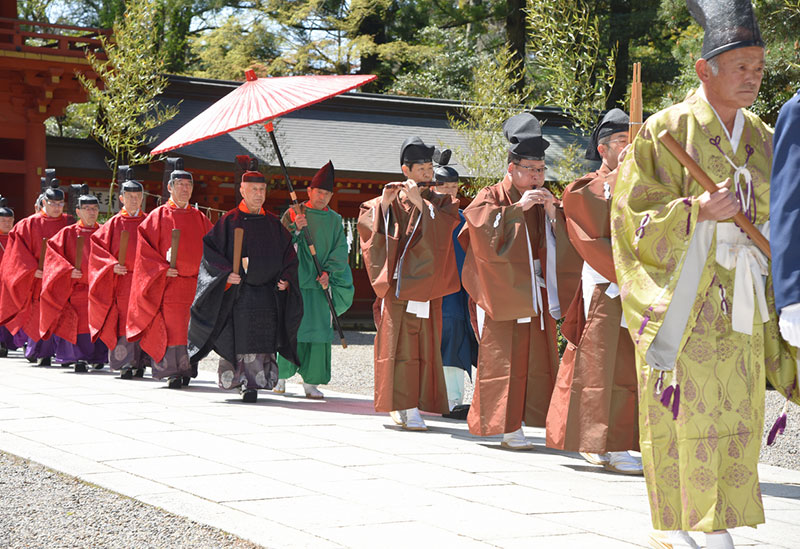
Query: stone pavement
[(291, 472)]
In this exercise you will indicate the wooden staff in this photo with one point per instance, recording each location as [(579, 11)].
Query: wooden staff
[(708, 184), (636, 115), (306, 235), (176, 240), (79, 253), (42, 252), (123, 248), (238, 237)]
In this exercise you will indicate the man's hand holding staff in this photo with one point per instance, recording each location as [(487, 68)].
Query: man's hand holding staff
[(718, 204)]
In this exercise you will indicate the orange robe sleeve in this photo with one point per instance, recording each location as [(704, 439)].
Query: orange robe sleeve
[(147, 286), (146, 316), (417, 245), (379, 242), (588, 224), (19, 264), (103, 283)]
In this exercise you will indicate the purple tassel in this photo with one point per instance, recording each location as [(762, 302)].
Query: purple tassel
[(777, 428), (666, 396), (671, 398), (645, 320), (676, 402)]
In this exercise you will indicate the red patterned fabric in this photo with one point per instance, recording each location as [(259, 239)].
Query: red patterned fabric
[(108, 292), (19, 289), (65, 300), (158, 311)]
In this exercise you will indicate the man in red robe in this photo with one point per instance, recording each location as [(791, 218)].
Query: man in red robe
[(110, 276), (406, 241), (162, 295), (7, 340), (64, 310), (593, 409), (21, 277), (519, 269)]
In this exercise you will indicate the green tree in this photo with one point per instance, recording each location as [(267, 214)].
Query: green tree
[(566, 48), (445, 71), (493, 98), (130, 79), (226, 52)]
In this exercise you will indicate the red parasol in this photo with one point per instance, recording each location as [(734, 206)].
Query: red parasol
[(260, 100)]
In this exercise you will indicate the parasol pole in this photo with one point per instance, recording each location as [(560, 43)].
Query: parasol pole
[(708, 184), (636, 115), (306, 235)]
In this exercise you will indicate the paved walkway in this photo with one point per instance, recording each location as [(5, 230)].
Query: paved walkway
[(290, 472)]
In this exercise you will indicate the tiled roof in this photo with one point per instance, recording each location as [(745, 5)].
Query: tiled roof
[(360, 132)]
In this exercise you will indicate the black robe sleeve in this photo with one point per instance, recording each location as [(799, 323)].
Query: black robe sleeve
[(271, 257)]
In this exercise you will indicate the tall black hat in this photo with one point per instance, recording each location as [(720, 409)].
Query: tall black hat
[(81, 191), (5, 211), (53, 191), (324, 178), (445, 174), (86, 199), (129, 184), (614, 121), (414, 151), (524, 134), (728, 24), (180, 174), (251, 174)]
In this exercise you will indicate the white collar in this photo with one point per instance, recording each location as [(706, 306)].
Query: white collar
[(738, 122)]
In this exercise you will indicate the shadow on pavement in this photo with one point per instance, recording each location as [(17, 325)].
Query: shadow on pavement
[(788, 491)]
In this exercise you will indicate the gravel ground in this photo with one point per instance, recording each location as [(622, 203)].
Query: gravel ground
[(40, 508)]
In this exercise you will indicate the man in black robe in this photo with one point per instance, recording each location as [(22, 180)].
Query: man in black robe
[(248, 317)]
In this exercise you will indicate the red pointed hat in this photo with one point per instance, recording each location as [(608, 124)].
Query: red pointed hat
[(323, 179)]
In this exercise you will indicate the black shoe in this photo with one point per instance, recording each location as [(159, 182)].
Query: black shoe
[(185, 380), (66, 364), (45, 361), (80, 367), (174, 383), (250, 395), (458, 412), (139, 372), (98, 365), (3, 350), (31, 359), (127, 373)]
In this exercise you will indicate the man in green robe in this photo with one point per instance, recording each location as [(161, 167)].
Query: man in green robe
[(697, 293), (316, 330)]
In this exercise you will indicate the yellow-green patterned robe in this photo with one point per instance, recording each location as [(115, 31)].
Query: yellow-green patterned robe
[(701, 467)]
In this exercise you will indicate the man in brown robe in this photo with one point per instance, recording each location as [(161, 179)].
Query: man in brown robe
[(593, 409), (406, 241), (517, 246)]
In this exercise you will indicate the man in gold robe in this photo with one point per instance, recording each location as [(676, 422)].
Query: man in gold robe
[(593, 409), (697, 293), (511, 270), (406, 240)]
